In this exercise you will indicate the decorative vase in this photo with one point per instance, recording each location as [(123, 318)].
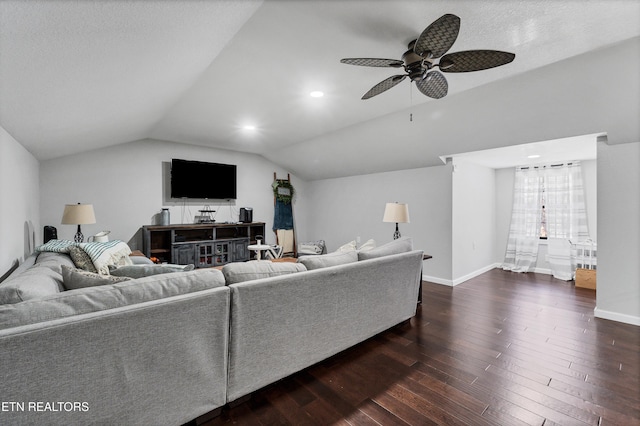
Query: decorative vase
[(164, 217)]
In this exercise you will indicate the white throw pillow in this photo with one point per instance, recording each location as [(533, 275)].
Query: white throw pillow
[(327, 260), (368, 245), (350, 246)]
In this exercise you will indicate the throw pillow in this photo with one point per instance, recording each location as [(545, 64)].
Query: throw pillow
[(238, 272), (56, 246), (350, 246), (110, 253), (139, 271), (401, 245), (326, 260), (313, 247), (81, 259), (73, 278), (368, 245)]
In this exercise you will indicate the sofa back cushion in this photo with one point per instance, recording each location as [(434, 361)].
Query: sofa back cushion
[(401, 245), (91, 299), (139, 271), (326, 260), (39, 276), (34, 283), (238, 272), (73, 279)]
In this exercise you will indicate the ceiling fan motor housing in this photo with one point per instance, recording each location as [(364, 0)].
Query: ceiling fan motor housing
[(413, 63)]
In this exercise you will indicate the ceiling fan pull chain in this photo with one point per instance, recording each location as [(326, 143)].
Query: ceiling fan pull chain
[(411, 102)]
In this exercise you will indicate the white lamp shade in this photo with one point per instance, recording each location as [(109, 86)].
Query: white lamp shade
[(396, 213), (78, 214)]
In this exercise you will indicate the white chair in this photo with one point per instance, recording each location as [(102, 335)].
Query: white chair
[(275, 252)]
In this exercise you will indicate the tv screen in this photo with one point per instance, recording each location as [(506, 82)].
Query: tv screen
[(197, 179)]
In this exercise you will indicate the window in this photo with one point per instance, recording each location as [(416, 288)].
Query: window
[(548, 204)]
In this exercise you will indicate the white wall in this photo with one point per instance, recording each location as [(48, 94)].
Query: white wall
[(125, 185), (19, 198), (618, 275), (342, 209), (474, 222)]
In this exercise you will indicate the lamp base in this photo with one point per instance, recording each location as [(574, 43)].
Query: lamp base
[(78, 238), (396, 234)]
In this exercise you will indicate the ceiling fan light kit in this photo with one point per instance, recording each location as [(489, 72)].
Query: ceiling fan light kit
[(422, 56)]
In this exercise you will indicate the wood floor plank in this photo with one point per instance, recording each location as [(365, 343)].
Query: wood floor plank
[(500, 349)]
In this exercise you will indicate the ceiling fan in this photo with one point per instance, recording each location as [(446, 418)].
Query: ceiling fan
[(420, 60)]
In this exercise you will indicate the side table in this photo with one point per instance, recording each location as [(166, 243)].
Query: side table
[(259, 248), (424, 257)]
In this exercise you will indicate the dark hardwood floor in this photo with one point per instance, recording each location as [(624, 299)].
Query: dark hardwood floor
[(500, 349)]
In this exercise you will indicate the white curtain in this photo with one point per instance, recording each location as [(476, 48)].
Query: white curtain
[(522, 245), (560, 190), (566, 217)]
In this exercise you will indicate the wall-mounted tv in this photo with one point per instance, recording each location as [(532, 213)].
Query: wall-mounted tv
[(201, 180)]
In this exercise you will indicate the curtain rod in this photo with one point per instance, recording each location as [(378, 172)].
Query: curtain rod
[(545, 166)]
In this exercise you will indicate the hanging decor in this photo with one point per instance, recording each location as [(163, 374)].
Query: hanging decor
[(283, 190)]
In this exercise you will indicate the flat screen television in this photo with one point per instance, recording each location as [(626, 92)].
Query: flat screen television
[(201, 180)]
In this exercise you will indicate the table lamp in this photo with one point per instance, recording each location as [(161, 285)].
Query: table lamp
[(398, 213), (78, 214)]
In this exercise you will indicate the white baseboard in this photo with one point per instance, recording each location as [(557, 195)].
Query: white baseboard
[(437, 280), (474, 274), (460, 280), (616, 316)]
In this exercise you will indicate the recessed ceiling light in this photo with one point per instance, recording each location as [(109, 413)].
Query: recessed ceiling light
[(249, 127), (533, 156), (316, 94)]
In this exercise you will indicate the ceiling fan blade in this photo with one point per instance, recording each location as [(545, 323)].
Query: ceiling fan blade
[(474, 60), (438, 37), (383, 86), (373, 62), (433, 85)]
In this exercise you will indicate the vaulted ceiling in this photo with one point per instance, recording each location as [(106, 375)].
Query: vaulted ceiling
[(76, 76)]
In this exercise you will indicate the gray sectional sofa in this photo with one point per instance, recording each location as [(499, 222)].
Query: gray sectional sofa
[(166, 349)]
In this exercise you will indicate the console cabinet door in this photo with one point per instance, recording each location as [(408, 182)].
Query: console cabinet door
[(205, 255), (183, 254), (240, 250)]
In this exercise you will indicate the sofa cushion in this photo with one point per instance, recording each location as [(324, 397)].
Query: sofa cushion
[(238, 272), (81, 259), (401, 245), (141, 260), (92, 299), (73, 278), (33, 283), (331, 259), (54, 261), (139, 271)]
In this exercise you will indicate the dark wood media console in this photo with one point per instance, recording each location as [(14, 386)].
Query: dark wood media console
[(205, 245)]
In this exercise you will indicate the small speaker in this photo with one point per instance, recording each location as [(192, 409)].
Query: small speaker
[(246, 215), (50, 233)]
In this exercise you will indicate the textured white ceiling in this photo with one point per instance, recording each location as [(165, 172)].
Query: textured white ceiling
[(80, 75), (76, 76)]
